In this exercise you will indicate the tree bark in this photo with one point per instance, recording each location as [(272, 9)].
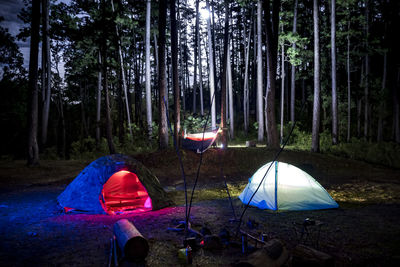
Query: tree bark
[(82, 91), (282, 87), (110, 141), (348, 83), (98, 104), (121, 63), (359, 101), (212, 70), (196, 34), (366, 88), (260, 118), (224, 140), (109, 136), (200, 76), (396, 105), (46, 71), (162, 81), (316, 105), (148, 74), (293, 72), (271, 25), (379, 137), (230, 93), (335, 135), (246, 82), (175, 71), (33, 148)]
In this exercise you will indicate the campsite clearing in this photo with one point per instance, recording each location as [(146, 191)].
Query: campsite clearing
[(363, 231)]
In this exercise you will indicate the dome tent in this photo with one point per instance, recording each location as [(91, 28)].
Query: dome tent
[(114, 183), (286, 187)]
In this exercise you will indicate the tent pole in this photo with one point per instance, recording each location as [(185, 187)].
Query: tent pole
[(276, 185), (226, 185)]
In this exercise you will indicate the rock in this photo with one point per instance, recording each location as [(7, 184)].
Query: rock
[(251, 143)]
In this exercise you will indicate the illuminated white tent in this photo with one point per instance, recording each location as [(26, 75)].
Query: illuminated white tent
[(286, 187)]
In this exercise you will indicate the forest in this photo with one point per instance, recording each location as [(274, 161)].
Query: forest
[(212, 132), (103, 75)]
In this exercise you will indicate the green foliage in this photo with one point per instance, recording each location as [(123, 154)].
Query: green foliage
[(195, 123), (139, 142), (299, 139), (384, 153)]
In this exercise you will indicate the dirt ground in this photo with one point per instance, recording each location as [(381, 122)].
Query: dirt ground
[(364, 231)]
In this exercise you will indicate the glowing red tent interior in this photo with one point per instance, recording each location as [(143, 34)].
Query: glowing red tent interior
[(123, 191), (113, 184)]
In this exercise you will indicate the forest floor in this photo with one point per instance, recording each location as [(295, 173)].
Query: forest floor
[(364, 231)]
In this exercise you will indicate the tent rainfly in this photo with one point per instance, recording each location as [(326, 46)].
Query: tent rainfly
[(286, 187), (114, 183)]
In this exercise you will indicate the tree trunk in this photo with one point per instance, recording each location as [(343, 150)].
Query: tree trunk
[(379, 136), (148, 74), (33, 148), (121, 63), (156, 92), (62, 151), (335, 135), (175, 71), (282, 87), (121, 130), (46, 71), (156, 53), (293, 72), (185, 80), (366, 88), (271, 26), (212, 73), (230, 90), (110, 141), (162, 81), (109, 136), (138, 91), (85, 130), (359, 102), (348, 84), (316, 105), (396, 105), (196, 34), (260, 118), (224, 140), (246, 83), (200, 76), (98, 104)]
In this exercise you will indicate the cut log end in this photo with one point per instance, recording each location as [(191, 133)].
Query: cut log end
[(133, 245)]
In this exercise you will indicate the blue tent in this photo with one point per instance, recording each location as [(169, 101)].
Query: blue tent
[(286, 187), (114, 183)]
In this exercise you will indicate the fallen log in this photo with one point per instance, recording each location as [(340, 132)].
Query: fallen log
[(272, 254), (133, 245), (306, 256)]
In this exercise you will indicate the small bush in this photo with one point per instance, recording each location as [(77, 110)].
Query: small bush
[(195, 123)]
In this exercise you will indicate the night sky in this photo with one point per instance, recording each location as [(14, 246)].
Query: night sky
[(9, 9)]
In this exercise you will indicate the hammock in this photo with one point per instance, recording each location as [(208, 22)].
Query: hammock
[(199, 142)]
